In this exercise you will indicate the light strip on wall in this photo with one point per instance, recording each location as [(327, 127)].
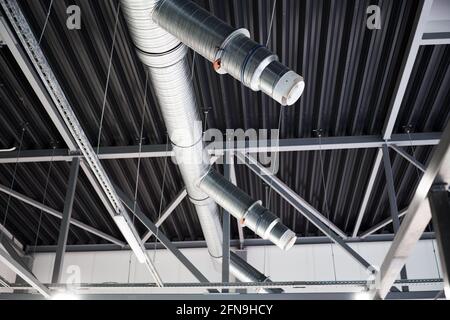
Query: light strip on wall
[(131, 238)]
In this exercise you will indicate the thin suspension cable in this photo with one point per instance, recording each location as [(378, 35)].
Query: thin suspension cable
[(44, 197), (326, 202), (13, 181), (269, 196), (46, 21), (107, 77), (280, 116), (161, 200), (269, 34), (141, 133)]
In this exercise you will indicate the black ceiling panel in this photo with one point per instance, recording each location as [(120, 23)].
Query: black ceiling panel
[(350, 72)]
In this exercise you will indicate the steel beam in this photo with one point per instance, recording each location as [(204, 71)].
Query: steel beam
[(325, 143), (435, 38), (65, 222), (226, 228), (166, 213), (41, 92), (390, 188), (233, 180), (420, 24), (161, 237), (10, 248), (6, 233), (440, 211), (414, 295), (59, 215), (116, 287), (368, 192), (418, 216), (22, 272), (4, 283), (60, 111), (172, 206), (201, 244), (421, 21), (217, 148), (392, 200), (409, 158), (34, 81), (287, 193), (45, 155), (301, 205), (132, 152), (380, 225), (58, 106)]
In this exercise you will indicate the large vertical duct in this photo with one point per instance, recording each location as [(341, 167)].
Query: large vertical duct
[(248, 211), (165, 57)]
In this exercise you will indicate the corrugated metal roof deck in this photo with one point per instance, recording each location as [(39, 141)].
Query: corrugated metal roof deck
[(350, 74)]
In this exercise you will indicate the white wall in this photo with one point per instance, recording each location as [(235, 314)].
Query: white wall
[(8, 275), (302, 263)]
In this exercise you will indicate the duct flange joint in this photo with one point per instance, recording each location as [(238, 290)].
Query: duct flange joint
[(222, 49), (162, 60)]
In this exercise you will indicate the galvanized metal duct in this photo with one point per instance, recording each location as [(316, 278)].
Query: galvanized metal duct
[(170, 77), (248, 211), (231, 50)]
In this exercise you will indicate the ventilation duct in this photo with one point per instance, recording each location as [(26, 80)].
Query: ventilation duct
[(229, 49), (165, 58)]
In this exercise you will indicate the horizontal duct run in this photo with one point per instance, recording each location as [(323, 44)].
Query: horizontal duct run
[(230, 50)]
